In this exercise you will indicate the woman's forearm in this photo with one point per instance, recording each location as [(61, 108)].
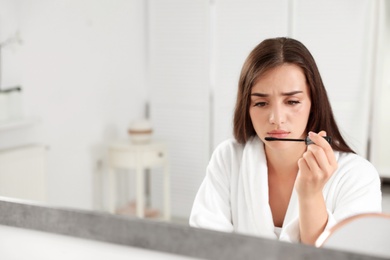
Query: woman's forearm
[(313, 218)]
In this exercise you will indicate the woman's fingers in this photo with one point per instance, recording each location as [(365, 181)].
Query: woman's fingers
[(318, 162), (311, 161), (319, 141)]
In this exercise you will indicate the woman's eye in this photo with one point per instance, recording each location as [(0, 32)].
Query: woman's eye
[(293, 102), (260, 104)]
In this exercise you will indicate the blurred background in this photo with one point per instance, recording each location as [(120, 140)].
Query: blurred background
[(75, 74)]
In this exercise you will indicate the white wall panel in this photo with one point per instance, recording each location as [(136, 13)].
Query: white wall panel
[(179, 94), (239, 27), (339, 35), (380, 143), (83, 75), (23, 173)]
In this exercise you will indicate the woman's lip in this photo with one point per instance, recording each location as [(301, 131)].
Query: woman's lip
[(278, 134)]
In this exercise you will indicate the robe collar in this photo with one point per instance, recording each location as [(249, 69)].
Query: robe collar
[(254, 173)]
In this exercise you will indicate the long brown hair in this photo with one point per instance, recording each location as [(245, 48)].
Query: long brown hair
[(269, 54)]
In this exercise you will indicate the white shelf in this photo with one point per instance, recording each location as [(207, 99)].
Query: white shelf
[(17, 123)]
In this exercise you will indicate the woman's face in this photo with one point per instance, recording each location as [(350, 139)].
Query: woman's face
[(280, 104)]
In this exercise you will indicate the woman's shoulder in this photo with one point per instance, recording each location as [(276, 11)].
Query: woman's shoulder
[(231, 151), (226, 159), (352, 159), (229, 148), (350, 162)]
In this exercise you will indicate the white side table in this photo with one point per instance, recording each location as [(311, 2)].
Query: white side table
[(126, 155)]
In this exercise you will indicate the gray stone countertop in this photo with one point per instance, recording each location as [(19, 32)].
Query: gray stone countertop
[(160, 236)]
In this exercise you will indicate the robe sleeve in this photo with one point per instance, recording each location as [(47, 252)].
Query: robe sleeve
[(354, 190), (357, 191), (211, 208)]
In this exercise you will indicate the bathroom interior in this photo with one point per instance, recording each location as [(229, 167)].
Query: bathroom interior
[(80, 79)]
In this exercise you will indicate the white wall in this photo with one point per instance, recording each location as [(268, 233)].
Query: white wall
[(380, 143), (83, 75), (340, 37), (179, 37), (239, 27)]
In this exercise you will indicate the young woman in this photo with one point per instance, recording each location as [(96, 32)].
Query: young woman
[(279, 189)]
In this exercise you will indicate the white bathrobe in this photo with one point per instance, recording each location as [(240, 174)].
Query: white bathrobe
[(233, 196)]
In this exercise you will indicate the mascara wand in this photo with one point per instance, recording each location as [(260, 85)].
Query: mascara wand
[(307, 140)]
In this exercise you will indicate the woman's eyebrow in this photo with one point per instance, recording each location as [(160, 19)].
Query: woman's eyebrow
[(259, 94), (292, 93)]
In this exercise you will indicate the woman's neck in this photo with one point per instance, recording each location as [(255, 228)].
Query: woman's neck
[(283, 162)]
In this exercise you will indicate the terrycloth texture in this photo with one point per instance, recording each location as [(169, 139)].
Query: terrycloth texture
[(233, 196)]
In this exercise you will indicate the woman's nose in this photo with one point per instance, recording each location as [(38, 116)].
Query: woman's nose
[(277, 116)]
